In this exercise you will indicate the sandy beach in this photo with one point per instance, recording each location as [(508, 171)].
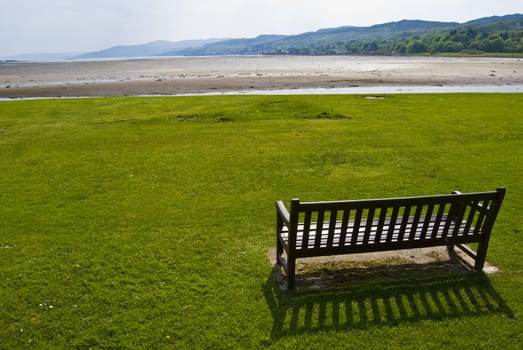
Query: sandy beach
[(194, 75)]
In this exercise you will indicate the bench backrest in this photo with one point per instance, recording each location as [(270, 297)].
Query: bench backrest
[(463, 217)]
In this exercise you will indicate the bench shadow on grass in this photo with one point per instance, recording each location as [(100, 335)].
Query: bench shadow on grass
[(381, 295)]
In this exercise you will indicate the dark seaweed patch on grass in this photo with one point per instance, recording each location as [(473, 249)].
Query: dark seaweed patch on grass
[(187, 117), (204, 117), (327, 115)]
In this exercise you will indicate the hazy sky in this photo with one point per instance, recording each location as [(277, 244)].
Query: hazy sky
[(28, 26)]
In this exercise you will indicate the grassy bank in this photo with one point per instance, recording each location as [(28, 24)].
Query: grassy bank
[(145, 222)]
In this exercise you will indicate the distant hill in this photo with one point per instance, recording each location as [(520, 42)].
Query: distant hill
[(275, 44), (153, 48), (229, 47), (402, 37)]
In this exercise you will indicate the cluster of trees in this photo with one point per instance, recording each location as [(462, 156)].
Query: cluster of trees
[(472, 39), (463, 40)]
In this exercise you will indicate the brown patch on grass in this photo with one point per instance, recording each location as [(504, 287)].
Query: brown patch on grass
[(342, 270)]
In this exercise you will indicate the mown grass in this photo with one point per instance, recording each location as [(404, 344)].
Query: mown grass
[(145, 222)]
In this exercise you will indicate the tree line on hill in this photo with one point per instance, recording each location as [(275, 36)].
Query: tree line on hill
[(472, 39)]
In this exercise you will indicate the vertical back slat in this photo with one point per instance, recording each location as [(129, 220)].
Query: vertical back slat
[(381, 224), (332, 227), (415, 223), (428, 221), (448, 221), (471, 216), (344, 225), (482, 216), (392, 225), (368, 228), (437, 221), (356, 228), (404, 223), (319, 228), (458, 218), (306, 229)]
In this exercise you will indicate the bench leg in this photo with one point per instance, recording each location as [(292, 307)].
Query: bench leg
[(291, 273), (478, 256), (481, 256)]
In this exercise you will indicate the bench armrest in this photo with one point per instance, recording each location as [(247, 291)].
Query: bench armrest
[(283, 213)]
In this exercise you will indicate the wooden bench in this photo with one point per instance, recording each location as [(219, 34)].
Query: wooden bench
[(357, 226)]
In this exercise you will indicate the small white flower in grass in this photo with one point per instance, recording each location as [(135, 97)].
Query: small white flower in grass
[(45, 305)]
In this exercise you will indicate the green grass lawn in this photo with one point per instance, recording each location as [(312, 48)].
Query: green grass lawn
[(146, 222)]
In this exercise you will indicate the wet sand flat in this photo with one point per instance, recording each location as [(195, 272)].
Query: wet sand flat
[(187, 75)]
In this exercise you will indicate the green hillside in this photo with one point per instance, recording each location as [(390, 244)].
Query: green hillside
[(485, 35)]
